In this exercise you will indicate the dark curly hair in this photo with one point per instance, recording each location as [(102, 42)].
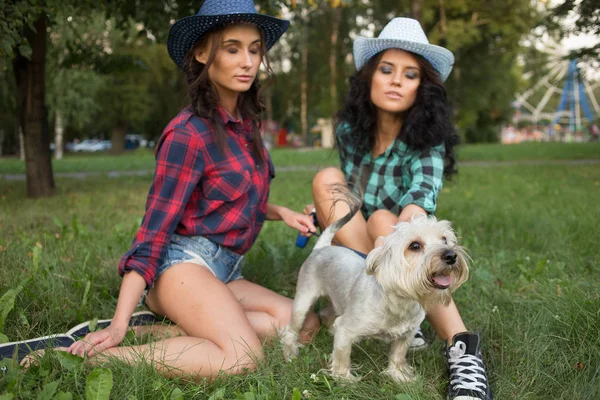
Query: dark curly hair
[(204, 98), (427, 123)]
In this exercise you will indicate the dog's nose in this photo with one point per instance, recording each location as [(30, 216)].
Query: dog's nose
[(449, 257)]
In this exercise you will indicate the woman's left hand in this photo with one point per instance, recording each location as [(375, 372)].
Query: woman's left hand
[(302, 222)]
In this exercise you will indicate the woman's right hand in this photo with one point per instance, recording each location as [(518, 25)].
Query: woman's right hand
[(96, 342)]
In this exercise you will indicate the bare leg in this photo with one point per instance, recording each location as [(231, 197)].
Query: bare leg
[(159, 331), (268, 311), (445, 320), (381, 223), (354, 233), (215, 335), (220, 337)]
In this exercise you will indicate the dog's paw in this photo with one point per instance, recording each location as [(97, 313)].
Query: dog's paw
[(289, 343), (346, 377), (291, 352), (401, 374)]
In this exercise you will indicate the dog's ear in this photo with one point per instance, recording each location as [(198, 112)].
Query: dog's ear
[(374, 257)]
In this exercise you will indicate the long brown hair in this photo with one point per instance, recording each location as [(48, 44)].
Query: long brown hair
[(204, 97)]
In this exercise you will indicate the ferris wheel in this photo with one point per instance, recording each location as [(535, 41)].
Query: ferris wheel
[(565, 82)]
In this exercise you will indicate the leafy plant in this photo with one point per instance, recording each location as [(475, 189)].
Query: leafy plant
[(98, 384), (7, 304)]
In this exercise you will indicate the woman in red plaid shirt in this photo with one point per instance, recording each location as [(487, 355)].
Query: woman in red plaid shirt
[(206, 206)]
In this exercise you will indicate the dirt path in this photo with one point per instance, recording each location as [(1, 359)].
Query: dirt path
[(145, 172)]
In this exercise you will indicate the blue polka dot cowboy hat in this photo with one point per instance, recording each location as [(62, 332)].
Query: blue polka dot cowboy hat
[(214, 14), (405, 34)]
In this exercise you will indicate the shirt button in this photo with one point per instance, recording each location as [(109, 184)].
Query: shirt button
[(246, 145)]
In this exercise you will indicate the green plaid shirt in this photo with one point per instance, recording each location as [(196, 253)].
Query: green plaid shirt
[(398, 177)]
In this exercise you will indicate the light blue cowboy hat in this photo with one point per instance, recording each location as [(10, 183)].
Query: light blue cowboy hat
[(214, 14), (405, 34)]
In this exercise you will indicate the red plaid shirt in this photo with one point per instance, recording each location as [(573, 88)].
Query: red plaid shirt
[(197, 190)]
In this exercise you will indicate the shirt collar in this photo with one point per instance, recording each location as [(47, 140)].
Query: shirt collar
[(399, 147), (226, 117)]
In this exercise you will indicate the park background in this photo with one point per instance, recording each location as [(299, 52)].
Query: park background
[(528, 212)]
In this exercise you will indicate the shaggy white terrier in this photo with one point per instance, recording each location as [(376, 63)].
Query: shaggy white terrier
[(420, 263)]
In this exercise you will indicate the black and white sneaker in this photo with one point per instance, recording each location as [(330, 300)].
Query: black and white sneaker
[(137, 319), (468, 380), (418, 341), (19, 350)]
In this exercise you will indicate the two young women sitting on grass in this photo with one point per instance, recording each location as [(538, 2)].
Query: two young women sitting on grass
[(209, 197)]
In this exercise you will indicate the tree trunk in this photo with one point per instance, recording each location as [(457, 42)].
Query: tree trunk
[(335, 28), (33, 118), (443, 24), (416, 9), (117, 137), (58, 140), (304, 80), (21, 143)]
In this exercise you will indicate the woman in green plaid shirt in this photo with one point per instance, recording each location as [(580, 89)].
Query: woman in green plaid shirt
[(395, 140)]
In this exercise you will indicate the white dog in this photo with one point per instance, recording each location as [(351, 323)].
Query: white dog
[(418, 264)]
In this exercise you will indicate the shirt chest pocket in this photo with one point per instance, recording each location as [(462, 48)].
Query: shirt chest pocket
[(227, 186)]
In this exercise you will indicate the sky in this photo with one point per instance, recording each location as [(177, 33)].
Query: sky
[(574, 42)]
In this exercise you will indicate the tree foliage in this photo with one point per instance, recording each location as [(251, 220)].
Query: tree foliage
[(108, 64), (586, 15)]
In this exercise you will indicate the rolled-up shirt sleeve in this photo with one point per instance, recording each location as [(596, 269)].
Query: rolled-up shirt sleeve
[(179, 167), (426, 173)]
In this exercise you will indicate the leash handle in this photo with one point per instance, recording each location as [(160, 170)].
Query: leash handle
[(302, 240)]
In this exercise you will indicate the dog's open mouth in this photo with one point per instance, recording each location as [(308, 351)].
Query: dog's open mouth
[(442, 280)]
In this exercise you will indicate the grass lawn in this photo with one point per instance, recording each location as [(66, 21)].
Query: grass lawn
[(532, 231), (143, 159)]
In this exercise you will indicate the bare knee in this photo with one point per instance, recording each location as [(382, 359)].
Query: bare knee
[(243, 358), (326, 177), (381, 223), (282, 313), (248, 361)]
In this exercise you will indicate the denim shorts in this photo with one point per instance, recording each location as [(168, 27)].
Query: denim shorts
[(223, 263)]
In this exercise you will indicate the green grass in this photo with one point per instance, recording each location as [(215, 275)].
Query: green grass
[(529, 151), (532, 232), (143, 159)]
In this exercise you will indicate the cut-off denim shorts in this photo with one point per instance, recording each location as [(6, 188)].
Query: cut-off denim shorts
[(223, 263)]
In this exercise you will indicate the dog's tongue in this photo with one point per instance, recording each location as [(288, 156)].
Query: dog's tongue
[(442, 280)]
